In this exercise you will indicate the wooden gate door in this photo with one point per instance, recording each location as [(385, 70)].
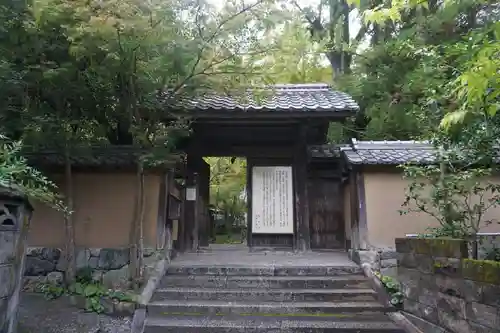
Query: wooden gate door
[(326, 213)]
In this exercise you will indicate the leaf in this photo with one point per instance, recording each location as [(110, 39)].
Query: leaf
[(91, 290)]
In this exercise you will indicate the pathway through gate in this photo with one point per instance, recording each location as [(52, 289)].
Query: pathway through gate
[(229, 289)]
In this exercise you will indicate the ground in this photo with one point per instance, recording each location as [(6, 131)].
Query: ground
[(38, 315), (238, 254)]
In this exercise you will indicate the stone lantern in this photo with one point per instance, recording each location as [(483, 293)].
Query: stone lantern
[(15, 216)]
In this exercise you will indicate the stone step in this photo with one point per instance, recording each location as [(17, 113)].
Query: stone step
[(231, 270), (274, 295), (257, 325), (267, 282), (200, 307)]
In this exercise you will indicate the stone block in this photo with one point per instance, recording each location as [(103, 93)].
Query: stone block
[(82, 258), (94, 262), (482, 314), (388, 255), (7, 244), (423, 311), (407, 260), (481, 270), (51, 254), (424, 325), (438, 247), (446, 247), (490, 294), (4, 304), (427, 297), (7, 280), (424, 263), (403, 245), (478, 328), (97, 276), (369, 257), (472, 291), (116, 278), (451, 267), (451, 304), (38, 266), (95, 251), (55, 278), (108, 305), (452, 286), (148, 251), (125, 309), (453, 324), (113, 258)]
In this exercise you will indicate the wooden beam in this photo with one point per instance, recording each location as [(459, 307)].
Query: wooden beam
[(302, 238), (249, 151)]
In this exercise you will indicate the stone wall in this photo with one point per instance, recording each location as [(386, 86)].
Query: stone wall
[(486, 243), (381, 260), (109, 266), (444, 288)]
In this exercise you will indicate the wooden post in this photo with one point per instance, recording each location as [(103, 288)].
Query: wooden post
[(249, 202), (196, 225), (300, 161)]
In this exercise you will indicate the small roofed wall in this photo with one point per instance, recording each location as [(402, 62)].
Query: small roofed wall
[(385, 191), (104, 209)]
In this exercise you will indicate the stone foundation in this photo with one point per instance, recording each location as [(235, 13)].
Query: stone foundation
[(109, 266), (381, 260), (445, 288)]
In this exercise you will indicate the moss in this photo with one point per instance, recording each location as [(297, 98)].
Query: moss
[(481, 270), (440, 247)]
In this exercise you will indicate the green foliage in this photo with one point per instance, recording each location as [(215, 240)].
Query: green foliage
[(94, 293), (17, 174), (227, 188), (393, 288), (50, 291), (493, 254), (457, 193), (84, 275)]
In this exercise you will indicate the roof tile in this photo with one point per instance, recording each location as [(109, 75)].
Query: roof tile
[(283, 97)]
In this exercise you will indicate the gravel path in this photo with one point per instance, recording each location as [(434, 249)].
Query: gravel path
[(38, 315)]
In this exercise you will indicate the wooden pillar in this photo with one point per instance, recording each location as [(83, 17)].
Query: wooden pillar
[(195, 235), (300, 162), (249, 202), (204, 187)]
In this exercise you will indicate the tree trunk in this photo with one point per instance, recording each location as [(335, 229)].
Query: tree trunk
[(68, 221)]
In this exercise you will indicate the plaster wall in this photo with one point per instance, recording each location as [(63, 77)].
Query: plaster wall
[(104, 210), (384, 194)]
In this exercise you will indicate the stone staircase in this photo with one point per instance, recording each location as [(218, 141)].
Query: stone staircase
[(236, 298)]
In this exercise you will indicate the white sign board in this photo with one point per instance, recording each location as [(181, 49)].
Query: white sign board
[(191, 194), (272, 200)]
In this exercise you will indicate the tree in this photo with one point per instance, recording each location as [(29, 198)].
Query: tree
[(295, 59), (15, 173), (78, 73), (458, 199), (227, 188), (407, 82)]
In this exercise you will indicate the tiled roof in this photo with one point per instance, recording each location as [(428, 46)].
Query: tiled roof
[(389, 152), (94, 156), (282, 97), (325, 151)]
